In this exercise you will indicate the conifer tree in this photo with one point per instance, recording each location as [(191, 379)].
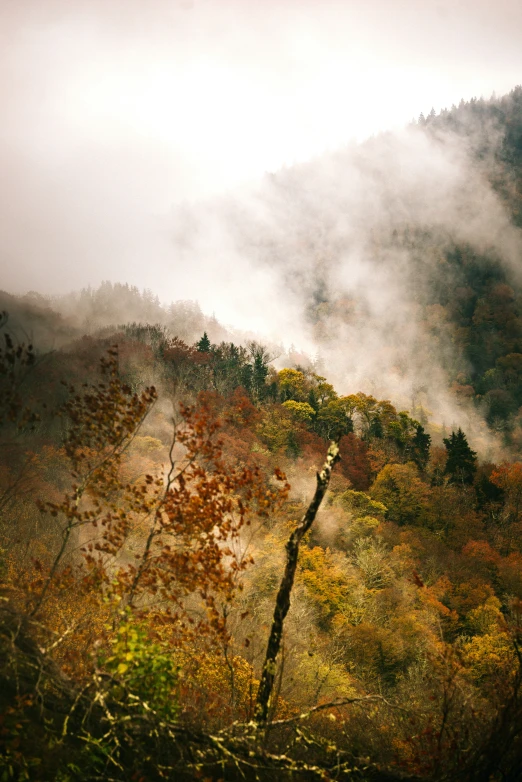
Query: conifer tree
[(204, 345), (421, 447), (259, 371), (461, 465)]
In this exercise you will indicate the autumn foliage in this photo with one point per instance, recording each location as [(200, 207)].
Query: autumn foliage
[(145, 531)]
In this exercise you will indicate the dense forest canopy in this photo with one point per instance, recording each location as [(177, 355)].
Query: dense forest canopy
[(174, 602)]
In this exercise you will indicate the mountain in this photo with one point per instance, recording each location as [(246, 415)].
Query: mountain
[(399, 259), (220, 562)]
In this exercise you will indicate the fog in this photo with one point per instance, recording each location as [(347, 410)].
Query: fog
[(136, 141), (114, 110), (312, 252)]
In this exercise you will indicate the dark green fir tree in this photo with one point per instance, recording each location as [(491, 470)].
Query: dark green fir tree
[(204, 345), (420, 445), (461, 465)]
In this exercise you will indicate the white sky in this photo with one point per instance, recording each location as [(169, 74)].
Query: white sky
[(113, 110)]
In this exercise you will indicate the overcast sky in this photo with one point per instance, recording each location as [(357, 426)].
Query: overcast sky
[(113, 110)]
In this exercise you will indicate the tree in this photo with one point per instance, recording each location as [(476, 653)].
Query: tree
[(300, 411), (461, 465), (355, 462), (230, 368), (260, 360), (292, 385), (204, 345), (282, 605), (420, 447), (405, 495), (324, 392), (334, 419), (16, 416), (508, 477), (102, 422), (161, 538), (15, 361), (185, 366)]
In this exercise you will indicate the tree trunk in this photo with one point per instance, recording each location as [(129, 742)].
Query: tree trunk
[(283, 596)]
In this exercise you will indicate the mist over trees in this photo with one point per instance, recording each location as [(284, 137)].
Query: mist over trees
[(181, 596), (404, 250)]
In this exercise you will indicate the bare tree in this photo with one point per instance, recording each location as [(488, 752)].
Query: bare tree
[(282, 605)]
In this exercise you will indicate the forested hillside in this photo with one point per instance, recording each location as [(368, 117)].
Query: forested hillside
[(398, 257), (158, 485)]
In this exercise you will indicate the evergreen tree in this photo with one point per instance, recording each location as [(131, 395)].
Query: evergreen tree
[(259, 375), (259, 371), (420, 445), (204, 345), (461, 465), (228, 363), (246, 377)]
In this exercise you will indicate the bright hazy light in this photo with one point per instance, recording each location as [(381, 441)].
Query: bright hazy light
[(223, 92), (115, 110), (230, 123)]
